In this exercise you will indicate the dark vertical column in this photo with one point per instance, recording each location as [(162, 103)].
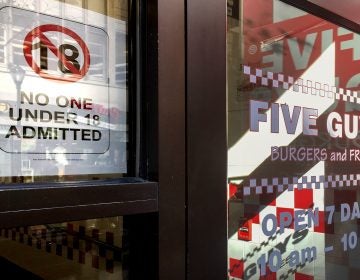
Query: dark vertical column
[(206, 139), (171, 73)]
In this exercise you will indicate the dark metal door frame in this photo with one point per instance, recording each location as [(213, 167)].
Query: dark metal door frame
[(206, 139), (172, 141), (192, 139)]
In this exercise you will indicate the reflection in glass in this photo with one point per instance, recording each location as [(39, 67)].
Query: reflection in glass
[(293, 84), (90, 249), (63, 98)]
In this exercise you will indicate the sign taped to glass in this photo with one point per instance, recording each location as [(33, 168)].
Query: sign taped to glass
[(62, 111)]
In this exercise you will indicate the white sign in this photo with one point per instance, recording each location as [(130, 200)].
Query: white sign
[(62, 99)]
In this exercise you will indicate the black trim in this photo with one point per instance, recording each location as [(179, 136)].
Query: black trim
[(324, 14), (141, 246), (10, 270), (50, 203), (149, 89), (132, 86)]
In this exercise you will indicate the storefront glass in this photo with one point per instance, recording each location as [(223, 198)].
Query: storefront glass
[(64, 90), (293, 147), (89, 249)]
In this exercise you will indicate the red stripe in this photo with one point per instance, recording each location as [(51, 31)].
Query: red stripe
[(257, 13)]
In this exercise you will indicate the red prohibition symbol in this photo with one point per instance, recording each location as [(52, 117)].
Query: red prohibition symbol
[(67, 63)]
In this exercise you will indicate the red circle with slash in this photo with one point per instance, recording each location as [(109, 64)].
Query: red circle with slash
[(38, 32)]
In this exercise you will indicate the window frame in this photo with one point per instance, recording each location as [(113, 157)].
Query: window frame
[(50, 202), (22, 205)]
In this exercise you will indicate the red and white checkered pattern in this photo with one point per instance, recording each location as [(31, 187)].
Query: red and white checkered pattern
[(315, 182), (256, 207), (90, 247), (277, 80)]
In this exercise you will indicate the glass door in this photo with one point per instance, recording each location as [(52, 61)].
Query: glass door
[(293, 149)]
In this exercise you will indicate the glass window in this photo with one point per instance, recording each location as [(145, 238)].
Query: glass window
[(293, 149), (64, 92), (89, 249)]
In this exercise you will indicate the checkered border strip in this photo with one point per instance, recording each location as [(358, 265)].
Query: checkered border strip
[(266, 185), (69, 244), (277, 80)]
